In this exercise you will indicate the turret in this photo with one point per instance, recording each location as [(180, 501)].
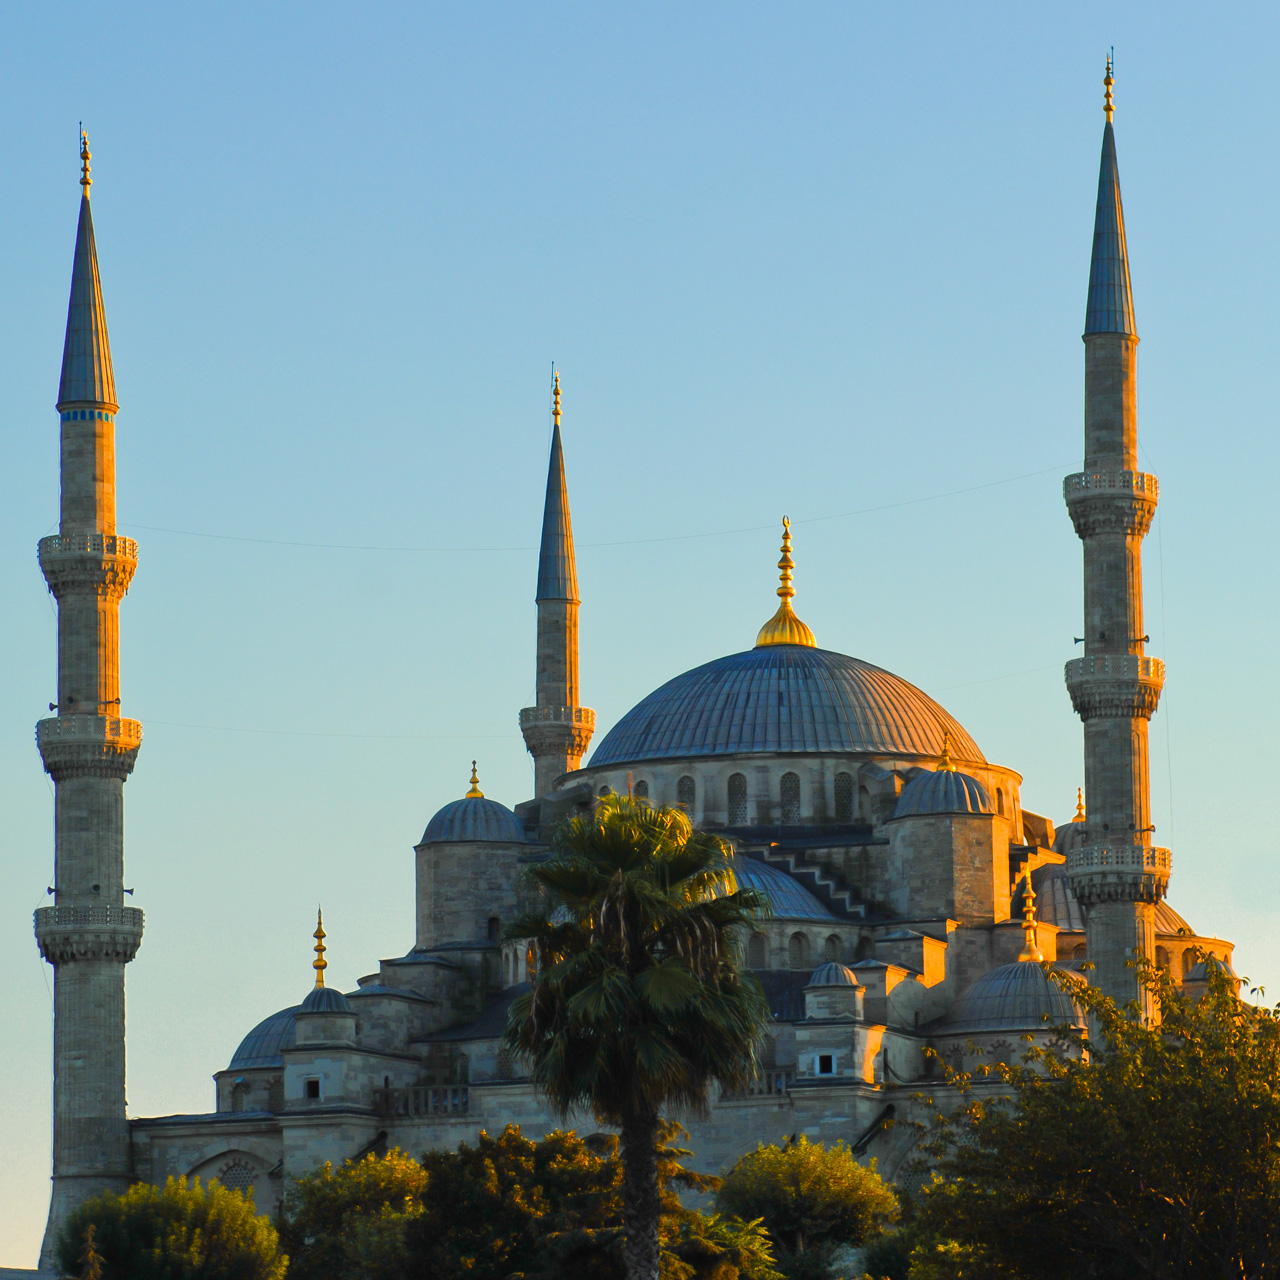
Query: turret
[(1115, 871), (556, 730)]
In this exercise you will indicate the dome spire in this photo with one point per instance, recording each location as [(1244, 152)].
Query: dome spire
[(319, 964), (945, 763), (475, 793), (1030, 945), (1108, 80), (85, 181), (1079, 805), (784, 627)]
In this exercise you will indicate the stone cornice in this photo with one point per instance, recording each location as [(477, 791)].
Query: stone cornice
[(90, 563)]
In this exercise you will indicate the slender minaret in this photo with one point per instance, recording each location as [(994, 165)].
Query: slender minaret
[(1116, 873), (557, 730), (88, 935)]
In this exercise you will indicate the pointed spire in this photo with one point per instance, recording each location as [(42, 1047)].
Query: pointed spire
[(557, 570), (945, 763), (1110, 305), (1079, 805), (1030, 943), (475, 793), (784, 627), (86, 353), (319, 964)]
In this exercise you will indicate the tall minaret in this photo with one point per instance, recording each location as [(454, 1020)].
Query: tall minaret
[(557, 730), (88, 935), (1116, 873)]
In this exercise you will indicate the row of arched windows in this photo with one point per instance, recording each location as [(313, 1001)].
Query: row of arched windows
[(739, 814), (799, 954)]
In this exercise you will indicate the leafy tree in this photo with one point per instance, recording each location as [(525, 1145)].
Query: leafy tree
[(1144, 1151), (638, 1002), (174, 1232), (712, 1247), (349, 1223), (812, 1198)]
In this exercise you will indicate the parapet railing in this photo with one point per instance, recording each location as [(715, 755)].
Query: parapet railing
[(770, 1083), (423, 1100), (1141, 483)]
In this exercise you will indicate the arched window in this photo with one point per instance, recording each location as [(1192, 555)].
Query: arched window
[(1188, 962), (831, 949), (641, 790), (738, 800), (240, 1096), (844, 797), (506, 1064), (605, 790), (686, 793), (798, 951), (237, 1176), (757, 951), (1081, 952), (1000, 802), (495, 930), (462, 1069), (866, 947), (1162, 958), (275, 1093), (791, 799)]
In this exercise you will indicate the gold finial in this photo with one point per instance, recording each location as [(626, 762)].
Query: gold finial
[(945, 763), (85, 181), (1108, 80), (555, 413), (1030, 945), (784, 627), (475, 793), (319, 964), (1079, 805)]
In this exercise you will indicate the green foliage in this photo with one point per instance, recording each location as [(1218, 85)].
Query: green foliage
[(174, 1232), (712, 1247), (812, 1198), (349, 1223), (1149, 1150)]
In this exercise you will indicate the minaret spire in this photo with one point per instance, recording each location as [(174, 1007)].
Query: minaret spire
[(1115, 871), (556, 730), (88, 935)]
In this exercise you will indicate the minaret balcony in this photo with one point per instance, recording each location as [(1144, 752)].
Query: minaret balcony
[(88, 562), (97, 932), (1111, 501), (1119, 872), (88, 746), (548, 729), (1122, 685)]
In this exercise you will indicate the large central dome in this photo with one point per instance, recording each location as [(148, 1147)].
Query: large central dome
[(784, 697)]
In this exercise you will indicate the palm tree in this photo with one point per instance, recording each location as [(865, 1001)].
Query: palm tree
[(637, 1001)]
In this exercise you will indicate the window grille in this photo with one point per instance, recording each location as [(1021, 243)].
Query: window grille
[(844, 797), (738, 800), (686, 793), (790, 799), (757, 951), (798, 951)]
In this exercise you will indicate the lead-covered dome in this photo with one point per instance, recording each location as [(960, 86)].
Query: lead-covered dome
[(264, 1046), (1012, 997), (780, 698), (475, 818), (942, 791), (790, 899), (833, 974)]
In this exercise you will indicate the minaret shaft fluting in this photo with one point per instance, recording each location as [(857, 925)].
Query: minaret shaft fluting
[(1115, 871), (88, 934)]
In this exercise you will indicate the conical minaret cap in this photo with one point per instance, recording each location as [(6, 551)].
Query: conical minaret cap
[(557, 570), (86, 353), (1110, 305)]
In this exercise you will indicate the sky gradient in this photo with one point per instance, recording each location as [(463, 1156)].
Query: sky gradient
[(821, 260)]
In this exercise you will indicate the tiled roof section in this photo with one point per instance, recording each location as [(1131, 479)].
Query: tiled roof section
[(784, 990), (557, 572), (1056, 904), (1013, 997), (264, 1046), (790, 899), (942, 791), (1110, 306), (783, 698), (490, 1024), (475, 818), (86, 353)]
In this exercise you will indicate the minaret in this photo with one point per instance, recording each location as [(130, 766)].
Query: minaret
[(88, 935), (556, 730), (1116, 873)]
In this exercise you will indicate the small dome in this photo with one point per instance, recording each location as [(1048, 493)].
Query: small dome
[(474, 818), (264, 1046), (833, 975), (1012, 997), (790, 899), (325, 1000), (1200, 972), (943, 791)]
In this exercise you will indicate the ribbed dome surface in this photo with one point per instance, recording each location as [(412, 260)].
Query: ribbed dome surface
[(783, 698), (833, 975), (266, 1043), (943, 791), (790, 899), (1013, 997), (325, 1000), (475, 819)]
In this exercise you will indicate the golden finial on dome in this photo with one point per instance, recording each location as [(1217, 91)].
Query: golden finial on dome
[(85, 181), (1109, 80), (555, 413), (1030, 944), (319, 964), (1079, 805), (945, 763), (784, 627), (475, 793)]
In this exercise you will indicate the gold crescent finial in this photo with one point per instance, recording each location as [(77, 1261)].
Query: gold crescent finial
[(475, 793), (1030, 944), (85, 181), (945, 763), (319, 964), (784, 627), (1079, 805), (556, 411), (1108, 80)]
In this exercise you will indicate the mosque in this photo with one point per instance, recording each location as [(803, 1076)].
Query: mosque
[(912, 893)]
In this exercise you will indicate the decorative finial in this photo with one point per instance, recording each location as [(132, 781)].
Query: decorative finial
[(1030, 944), (475, 793), (555, 413), (319, 964), (784, 627), (1079, 805), (1109, 80), (85, 181), (945, 763)]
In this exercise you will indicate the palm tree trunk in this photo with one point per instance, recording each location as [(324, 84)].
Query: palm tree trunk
[(641, 1200)]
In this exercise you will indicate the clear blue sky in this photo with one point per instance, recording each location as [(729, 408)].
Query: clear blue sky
[(816, 259)]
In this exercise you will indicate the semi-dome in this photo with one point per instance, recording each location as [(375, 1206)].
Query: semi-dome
[(783, 698), (264, 1046), (833, 974), (475, 818), (1012, 997), (790, 899), (942, 791), (325, 1000)]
